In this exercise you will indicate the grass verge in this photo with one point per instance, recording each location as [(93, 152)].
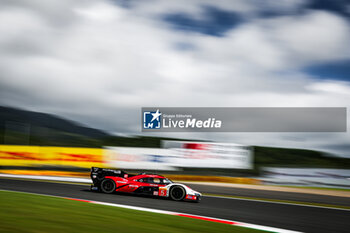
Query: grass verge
[(22, 212)]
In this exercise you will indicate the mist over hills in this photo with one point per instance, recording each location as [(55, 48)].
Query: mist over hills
[(22, 127), (44, 120)]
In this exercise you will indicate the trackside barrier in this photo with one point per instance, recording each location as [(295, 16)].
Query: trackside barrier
[(221, 179), (69, 157)]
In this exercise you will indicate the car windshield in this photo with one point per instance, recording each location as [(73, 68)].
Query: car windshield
[(167, 181), (155, 180)]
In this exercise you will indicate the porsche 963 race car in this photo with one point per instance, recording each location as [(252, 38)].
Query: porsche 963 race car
[(109, 181)]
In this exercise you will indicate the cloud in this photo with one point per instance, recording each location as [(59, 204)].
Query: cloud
[(285, 42), (98, 62), (308, 37)]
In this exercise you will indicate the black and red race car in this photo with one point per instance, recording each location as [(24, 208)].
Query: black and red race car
[(109, 181)]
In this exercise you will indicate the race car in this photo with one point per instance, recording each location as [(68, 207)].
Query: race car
[(109, 181)]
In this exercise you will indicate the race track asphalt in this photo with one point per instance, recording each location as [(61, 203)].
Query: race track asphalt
[(276, 195), (291, 217)]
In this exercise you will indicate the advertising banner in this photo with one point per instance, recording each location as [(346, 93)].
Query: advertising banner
[(139, 158), (52, 156), (209, 155), (179, 154), (175, 155)]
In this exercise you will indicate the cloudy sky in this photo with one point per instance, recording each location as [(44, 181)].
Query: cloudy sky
[(98, 62)]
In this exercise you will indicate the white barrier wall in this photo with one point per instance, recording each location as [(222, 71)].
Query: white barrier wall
[(138, 158), (210, 154), (178, 154)]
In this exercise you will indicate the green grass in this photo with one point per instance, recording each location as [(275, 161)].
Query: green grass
[(22, 212)]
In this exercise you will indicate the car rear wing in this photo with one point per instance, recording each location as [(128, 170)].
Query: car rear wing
[(97, 174)]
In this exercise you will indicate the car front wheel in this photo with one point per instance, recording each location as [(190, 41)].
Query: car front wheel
[(177, 193)]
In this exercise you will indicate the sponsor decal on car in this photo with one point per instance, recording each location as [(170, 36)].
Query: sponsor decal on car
[(163, 192), (191, 197)]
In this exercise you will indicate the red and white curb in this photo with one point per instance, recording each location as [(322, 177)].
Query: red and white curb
[(210, 219)]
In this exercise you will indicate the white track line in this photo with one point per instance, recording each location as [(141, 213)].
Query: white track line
[(55, 178), (88, 181), (277, 202), (218, 220)]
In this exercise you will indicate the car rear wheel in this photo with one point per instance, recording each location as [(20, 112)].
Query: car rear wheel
[(177, 193), (108, 186)]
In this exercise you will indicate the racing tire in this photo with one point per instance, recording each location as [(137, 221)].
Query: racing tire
[(177, 193), (108, 186)]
